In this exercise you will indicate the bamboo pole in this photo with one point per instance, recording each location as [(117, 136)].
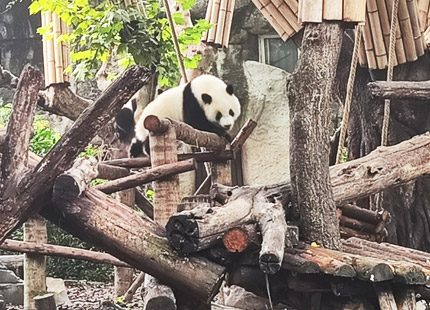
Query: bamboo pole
[(423, 10), (289, 15), (385, 25), (354, 11), (283, 22), (418, 38), (378, 39), (406, 29), (214, 19), (367, 38), (278, 28), (50, 53), (219, 34), (400, 48), (66, 51), (228, 22), (208, 18), (333, 10), (45, 50), (58, 55), (311, 11), (362, 54)]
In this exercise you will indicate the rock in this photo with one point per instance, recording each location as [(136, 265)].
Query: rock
[(7, 276), (13, 293)]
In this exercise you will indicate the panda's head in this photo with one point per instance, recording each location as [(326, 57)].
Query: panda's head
[(217, 100)]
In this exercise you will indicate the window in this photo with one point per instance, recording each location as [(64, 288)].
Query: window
[(274, 51)]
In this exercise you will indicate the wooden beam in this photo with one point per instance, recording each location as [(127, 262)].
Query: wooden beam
[(400, 90)]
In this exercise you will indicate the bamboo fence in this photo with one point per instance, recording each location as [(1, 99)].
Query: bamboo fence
[(56, 52), (409, 33)]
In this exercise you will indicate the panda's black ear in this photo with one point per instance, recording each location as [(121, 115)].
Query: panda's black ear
[(206, 98), (134, 104), (229, 89)]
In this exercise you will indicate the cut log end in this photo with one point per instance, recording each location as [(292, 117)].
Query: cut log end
[(155, 124), (235, 240), (183, 233), (269, 263), (65, 188)]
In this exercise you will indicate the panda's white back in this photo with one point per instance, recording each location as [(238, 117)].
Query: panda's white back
[(167, 104)]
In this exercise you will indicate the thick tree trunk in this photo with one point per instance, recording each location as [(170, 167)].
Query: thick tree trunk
[(310, 93)]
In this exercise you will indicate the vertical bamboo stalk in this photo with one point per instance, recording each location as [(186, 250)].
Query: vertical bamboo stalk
[(406, 29), (400, 48), (423, 11), (333, 10), (208, 17), (378, 39), (221, 22), (368, 42), (413, 13), (228, 22), (385, 23), (58, 55), (427, 38), (45, 50), (50, 53), (214, 20), (362, 58), (66, 51)]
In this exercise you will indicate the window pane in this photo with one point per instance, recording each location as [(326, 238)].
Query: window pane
[(281, 54)]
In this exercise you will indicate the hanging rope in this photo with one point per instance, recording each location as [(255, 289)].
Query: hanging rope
[(391, 55), (175, 41), (349, 91)]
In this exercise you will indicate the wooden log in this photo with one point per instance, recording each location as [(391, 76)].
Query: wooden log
[(139, 162), (45, 302), (109, 172), (369, 216), (16, 204), (243, 135), (120, 231), (400, 90), (157, 173), (385, 296), (76, 180), (54, 97), (20, 127), (357, 224), (157, 296), (128, 296), (346, 232), (185, 132), (240, 238), (60, 251)]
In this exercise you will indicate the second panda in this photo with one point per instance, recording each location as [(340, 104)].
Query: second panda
[(206, 103)]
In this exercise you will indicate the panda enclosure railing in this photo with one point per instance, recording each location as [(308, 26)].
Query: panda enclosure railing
[(96, 218)]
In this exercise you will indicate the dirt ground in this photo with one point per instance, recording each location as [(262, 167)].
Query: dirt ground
[(89, 296)]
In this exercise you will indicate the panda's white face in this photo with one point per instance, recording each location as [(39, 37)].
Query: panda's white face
[(217, 100)]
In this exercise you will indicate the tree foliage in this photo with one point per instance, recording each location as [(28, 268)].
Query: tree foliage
[(144, 38)]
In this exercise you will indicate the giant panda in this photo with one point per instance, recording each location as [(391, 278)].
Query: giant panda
[(206, 103)]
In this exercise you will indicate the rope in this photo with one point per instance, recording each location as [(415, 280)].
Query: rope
[(175, 41), (391, 54), (349, 91)]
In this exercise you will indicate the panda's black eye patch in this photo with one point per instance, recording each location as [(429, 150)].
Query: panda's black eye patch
[(231, 112), (206, 98), (218, 116), (229, 89)]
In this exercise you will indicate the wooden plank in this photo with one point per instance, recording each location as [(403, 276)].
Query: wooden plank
[(290, 16), (312, 11), (354, 11), (333, 9), (294, 6)]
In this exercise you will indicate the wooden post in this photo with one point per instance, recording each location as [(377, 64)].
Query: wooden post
[(385, 296), (34, 264), (166, 200)]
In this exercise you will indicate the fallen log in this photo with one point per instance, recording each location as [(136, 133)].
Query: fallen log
[(60, 251), (122, 232), (400, 90), (147, 176), (16, 201)]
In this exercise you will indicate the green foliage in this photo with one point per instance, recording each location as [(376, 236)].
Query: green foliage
[(5, 114), (44, 137), (102, 28), (150, 195), (74, 268)]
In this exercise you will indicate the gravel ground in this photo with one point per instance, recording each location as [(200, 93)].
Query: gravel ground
[(89, 296)]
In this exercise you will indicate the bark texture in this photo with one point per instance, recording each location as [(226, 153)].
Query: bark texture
[(310, 93)]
